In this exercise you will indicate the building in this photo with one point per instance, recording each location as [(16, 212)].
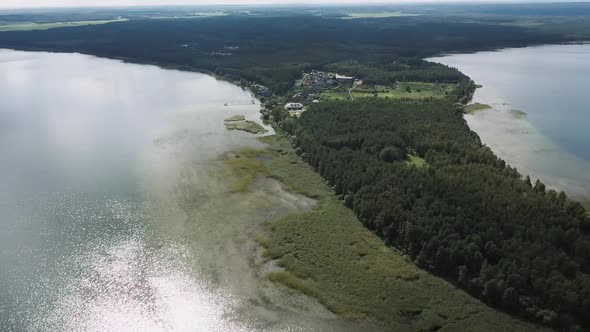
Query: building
[(344, 79), (294, 107)]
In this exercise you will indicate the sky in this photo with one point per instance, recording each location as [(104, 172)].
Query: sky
[(86, 3)]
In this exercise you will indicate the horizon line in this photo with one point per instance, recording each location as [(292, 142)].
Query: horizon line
[(297, 4)]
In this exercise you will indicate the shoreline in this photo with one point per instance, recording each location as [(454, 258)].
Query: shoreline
[(506, 129), (514, 139), (504, 48)]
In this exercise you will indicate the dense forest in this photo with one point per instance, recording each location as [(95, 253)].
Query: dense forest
[(463, 214), (274, 49), (404, 70)]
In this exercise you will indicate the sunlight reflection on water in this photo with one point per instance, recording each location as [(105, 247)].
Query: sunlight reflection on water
[(124, 285)]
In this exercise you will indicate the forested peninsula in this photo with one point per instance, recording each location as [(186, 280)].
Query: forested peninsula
[(463, 214)]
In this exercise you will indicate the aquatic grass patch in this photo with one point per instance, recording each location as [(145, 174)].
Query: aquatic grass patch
[(235, 118), (476, 107), (278, 161), (518, 114), (244, 168), (290, 170), (247, 126)]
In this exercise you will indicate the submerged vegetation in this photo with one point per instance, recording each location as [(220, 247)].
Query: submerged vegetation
[(518, 114), (235, 118), (477, 107), (247, 126)]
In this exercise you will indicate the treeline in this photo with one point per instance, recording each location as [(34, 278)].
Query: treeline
[(400, 70), (269, 49), (464, 215)]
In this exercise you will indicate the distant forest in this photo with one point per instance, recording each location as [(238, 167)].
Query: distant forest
[(274, 49)]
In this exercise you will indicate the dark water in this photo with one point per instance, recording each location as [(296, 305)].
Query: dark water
[(551, 85), (114, 208)]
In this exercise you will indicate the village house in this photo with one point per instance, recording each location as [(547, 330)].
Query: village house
[(294, 107)]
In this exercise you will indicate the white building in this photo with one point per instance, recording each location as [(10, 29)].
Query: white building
[(342, 78), (294, 107)]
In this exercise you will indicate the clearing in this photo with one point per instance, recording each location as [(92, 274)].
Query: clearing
[(413, 90)]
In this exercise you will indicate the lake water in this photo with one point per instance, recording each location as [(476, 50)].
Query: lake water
[(115, 213), (550, 84)]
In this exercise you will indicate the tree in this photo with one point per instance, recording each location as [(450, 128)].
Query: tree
[(391, 154)]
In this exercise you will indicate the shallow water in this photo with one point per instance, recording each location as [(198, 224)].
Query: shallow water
[(115, 212), (550, 84)]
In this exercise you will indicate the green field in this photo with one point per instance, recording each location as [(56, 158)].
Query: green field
[(27, 26), (353, 16), (414, 90), (329, 255)]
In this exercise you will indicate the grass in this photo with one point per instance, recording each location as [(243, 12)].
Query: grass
[(288, 168), (245, 167), (586, 205), (414, 90), (247, 126), (328, 254), (353, 16), (476, 107), (235, 118), (335, 95), (28, 26), (278, 161), (416, 161)]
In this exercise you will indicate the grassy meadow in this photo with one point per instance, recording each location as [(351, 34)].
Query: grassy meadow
[(414, 90)]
